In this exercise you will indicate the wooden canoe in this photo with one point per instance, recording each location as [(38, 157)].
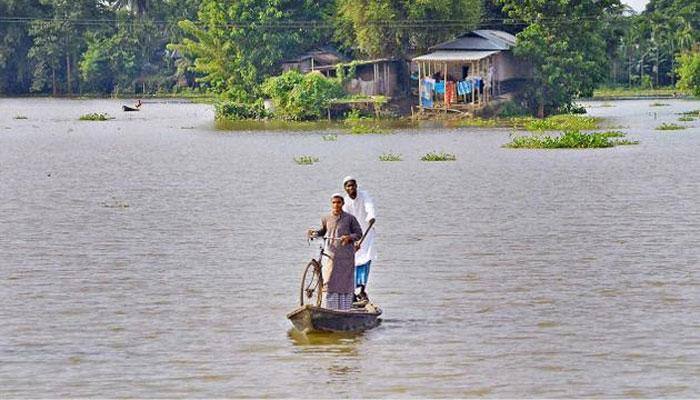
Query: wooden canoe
[(127, 108), (317, 319)]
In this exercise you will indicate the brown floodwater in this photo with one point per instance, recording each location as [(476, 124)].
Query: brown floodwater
[(154, 255)]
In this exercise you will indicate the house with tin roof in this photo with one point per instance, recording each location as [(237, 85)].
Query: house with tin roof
[(468, 71)]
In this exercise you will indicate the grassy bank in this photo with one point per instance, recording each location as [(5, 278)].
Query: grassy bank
[(605, 93)]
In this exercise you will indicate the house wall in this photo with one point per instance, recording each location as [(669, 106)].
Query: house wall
[(508, 67), (385, 84)]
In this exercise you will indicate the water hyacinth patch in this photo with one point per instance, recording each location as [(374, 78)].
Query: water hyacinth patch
[(564, 122), (570, 140), (306, 160), (441, 156), (364, 129), (389, 156), (686, 119), (329, 138), (669, 127), (96, 117)]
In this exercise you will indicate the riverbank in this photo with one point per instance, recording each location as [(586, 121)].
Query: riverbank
[(625, 93)]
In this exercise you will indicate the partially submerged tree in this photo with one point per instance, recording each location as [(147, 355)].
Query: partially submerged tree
[(565, 45)]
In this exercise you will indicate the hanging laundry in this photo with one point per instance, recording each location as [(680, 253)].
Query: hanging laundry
[(426, 94), (450, 93), (440, 87)]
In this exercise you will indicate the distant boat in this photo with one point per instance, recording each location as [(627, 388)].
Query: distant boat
[(310, 318), (127, 108)]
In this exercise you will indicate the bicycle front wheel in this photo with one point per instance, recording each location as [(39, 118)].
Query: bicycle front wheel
[(311, 285)]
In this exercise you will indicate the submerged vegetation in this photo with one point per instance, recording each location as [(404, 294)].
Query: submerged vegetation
[(666, 126), (570, 140), (96, 117), (305, 160), (441, 156), (389, 156)]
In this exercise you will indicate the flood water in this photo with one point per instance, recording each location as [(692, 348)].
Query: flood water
[(155, 256)]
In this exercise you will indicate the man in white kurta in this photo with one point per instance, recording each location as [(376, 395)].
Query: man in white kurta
[(360, 204)]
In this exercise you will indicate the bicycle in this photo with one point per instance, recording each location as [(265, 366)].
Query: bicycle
[(312, 277)]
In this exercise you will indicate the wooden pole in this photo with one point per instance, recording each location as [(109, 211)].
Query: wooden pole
[(420, 86), (444, 82)]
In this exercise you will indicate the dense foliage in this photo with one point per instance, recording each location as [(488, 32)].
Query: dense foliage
[(651, 41), (689, 72), (382, 28), (301, 97), (565, 42), (230, 47), (67, 47)]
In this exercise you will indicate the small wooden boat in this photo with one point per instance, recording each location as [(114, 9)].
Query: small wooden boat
[(127, 108), (310, 318)]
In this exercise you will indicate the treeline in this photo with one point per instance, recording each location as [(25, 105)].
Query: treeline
[(228, 47)]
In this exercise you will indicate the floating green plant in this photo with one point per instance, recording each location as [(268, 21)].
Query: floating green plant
[(658, 104), (330, 138), (96, 117), (20, 116), (669, 127), (570, 140), (692, 113), (305, 160), (435, 156), (389, 156), (563, 122), (686, 119), (364, 129)]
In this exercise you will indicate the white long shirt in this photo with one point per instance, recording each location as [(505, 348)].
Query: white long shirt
[(362, 207)]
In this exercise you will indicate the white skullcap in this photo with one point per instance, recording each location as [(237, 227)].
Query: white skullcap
[(348, 178), (334, 195)]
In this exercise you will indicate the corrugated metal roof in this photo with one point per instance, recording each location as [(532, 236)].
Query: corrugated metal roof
[(483, 39), (455, 55)]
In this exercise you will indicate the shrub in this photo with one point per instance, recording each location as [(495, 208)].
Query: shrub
[(232, 110), (512, 109), (301, 97)]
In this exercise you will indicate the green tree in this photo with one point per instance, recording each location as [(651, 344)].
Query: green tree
[(689, 71), (58, 42), (234, 44), (566, 46), (15, 42), (388, 28)]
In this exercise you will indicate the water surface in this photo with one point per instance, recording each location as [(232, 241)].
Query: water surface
[(155, 256)]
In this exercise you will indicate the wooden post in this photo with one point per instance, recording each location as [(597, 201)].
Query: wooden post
[(444, 82), (420, 85)]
